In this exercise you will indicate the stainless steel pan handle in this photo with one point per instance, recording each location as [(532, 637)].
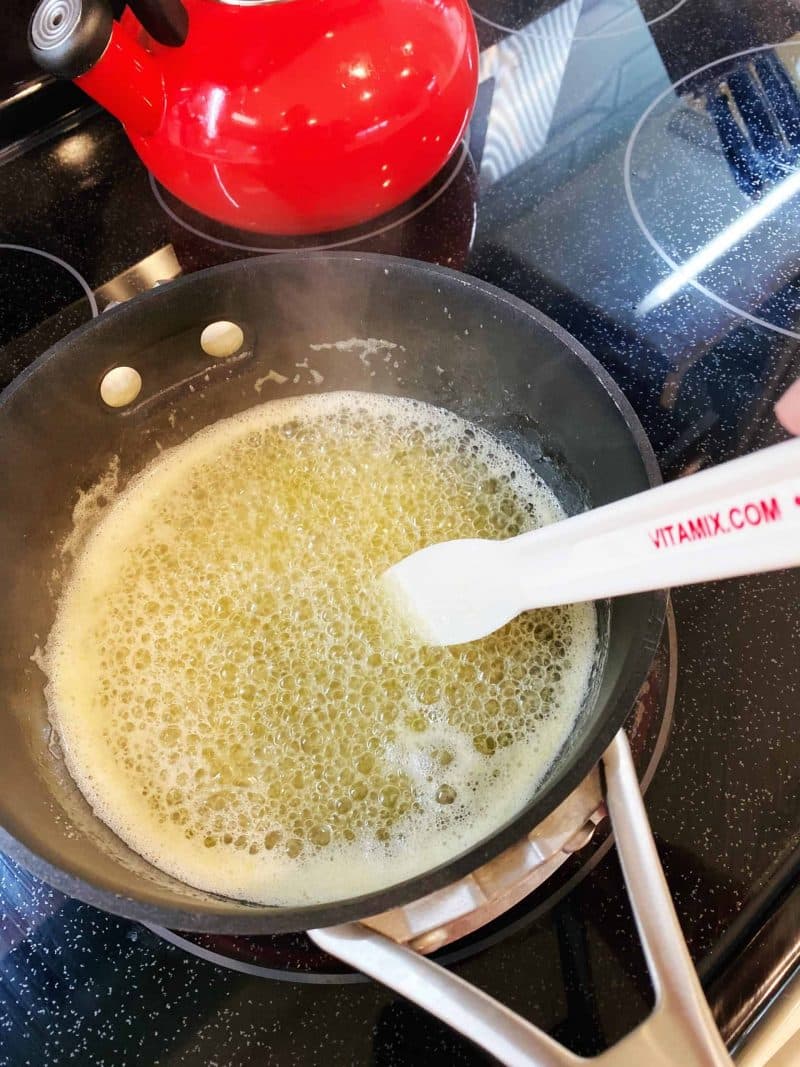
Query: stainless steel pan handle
[(680, 1032)]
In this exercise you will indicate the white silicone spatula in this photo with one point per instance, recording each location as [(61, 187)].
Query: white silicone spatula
[(741, 517)]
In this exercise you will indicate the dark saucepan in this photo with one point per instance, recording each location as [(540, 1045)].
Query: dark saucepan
[(461, 344)]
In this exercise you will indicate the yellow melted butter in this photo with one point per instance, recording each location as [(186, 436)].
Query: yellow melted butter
[(238, 703)]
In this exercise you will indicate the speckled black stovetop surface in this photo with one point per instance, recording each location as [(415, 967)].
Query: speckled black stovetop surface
[(604, 165)]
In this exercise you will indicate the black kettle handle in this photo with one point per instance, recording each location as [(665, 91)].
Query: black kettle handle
[(67, 37), (165, 20)]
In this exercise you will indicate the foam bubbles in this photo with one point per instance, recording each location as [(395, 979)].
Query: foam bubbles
[(239, 704)]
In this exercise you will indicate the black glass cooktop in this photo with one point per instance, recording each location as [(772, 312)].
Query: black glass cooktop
[(634, 171)]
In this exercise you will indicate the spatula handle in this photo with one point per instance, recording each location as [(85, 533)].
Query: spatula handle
[(741, 517)]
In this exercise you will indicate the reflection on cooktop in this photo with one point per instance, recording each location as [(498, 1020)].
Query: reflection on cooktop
[(589, 19), (727, 228)]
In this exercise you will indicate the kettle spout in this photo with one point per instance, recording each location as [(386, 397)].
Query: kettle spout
[(79, 39)]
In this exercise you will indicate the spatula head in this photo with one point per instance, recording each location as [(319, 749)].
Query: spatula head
[(456, 591)]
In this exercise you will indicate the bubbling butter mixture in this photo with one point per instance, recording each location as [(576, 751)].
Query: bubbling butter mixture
[(238, 703)]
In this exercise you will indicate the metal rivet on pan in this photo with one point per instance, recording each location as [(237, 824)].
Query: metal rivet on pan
[(120, 386), (221, 339)]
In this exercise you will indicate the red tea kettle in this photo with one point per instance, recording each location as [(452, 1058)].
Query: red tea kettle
[(282, 116)]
